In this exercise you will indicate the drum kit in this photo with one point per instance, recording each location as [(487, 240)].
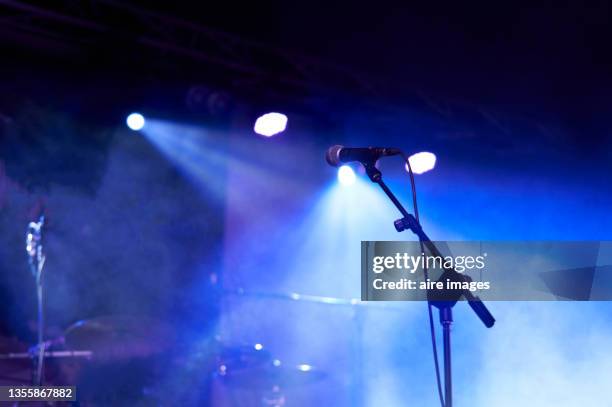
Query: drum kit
[(103, 357), (132, 360)]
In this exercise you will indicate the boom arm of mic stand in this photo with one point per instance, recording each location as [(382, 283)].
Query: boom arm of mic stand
[(409, 222)]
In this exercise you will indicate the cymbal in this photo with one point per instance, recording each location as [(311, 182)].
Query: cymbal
[(117, 338), (272, 375), (293, 297)]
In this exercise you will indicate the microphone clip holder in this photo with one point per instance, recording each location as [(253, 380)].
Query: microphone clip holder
[(408, 222)]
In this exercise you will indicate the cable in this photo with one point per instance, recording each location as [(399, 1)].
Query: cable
[(432, 328)]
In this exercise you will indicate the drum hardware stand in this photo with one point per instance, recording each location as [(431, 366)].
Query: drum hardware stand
[(86, 354), (444, 301)]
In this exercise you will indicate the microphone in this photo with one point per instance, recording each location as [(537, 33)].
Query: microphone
[(338, 155), (34, 235), (36, 258)]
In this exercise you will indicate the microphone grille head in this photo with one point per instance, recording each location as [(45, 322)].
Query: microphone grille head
[(332, 156)]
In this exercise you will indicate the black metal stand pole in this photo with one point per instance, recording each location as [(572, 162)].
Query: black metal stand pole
[(446, 319)]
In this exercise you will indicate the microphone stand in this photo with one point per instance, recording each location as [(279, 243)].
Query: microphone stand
[(36, 262), (444, 301)]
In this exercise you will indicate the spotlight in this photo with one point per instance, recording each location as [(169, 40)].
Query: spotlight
[(422, 162), (135, 121), (346, 175), (270, 124)]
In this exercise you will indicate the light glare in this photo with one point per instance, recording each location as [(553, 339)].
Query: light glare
[(422, 162), (346, 175), (270, 124), (135, 121)]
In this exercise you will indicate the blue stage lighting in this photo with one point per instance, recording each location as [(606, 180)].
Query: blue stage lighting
[(304, 368), (346, 175), (135, 121), (270, 124), (422, 162)]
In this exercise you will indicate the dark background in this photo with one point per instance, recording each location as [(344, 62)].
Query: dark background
[(500, 75)]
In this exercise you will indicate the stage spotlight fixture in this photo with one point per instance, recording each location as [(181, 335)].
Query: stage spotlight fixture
[(135, 121), (304, 368), (422, 162), (270, 124), (346, 175)]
